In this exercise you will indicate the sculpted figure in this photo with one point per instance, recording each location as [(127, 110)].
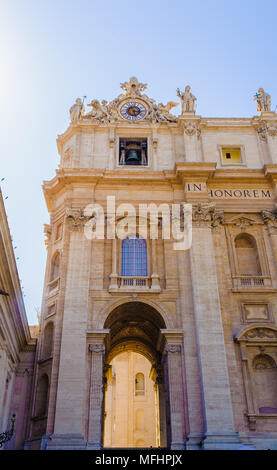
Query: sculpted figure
[(77, 110), (99, 112), (133, 87), (163, 112), (263, 100), (188, 100)]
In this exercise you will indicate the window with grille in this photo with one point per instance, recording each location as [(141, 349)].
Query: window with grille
[(134, 257)]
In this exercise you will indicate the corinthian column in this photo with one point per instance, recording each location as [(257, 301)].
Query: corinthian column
[(216, 397)]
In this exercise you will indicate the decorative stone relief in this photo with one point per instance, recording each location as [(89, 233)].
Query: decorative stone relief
[(142, 105), (261, 128), (261, 333), (191, 128)]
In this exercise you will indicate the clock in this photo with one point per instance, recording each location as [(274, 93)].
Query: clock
[(133, 111)]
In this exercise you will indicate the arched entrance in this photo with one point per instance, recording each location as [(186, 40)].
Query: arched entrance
[(134, 348), (136, 330)]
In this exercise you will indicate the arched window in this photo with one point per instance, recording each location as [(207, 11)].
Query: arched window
[(42, 395), (48, 340), (265, 379), (55, 266), (247, 255), (139, 384), (134, 257)]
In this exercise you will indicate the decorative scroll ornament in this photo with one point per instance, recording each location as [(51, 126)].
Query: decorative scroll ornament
[(77, 219), (96, 348), (132, 106)]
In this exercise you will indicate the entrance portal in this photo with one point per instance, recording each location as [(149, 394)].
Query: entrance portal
[(136, 402), (131, 403)]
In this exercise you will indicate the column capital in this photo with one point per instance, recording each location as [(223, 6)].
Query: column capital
[(96, 348)]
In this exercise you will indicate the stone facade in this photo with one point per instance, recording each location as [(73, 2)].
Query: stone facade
[(17, 346), (205, 317)]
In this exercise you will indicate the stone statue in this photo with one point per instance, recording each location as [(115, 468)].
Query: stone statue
[(77, 110), (188, 100), (263, 100)]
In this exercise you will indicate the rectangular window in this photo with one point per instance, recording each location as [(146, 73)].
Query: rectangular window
[(133, 152), (231, 155)]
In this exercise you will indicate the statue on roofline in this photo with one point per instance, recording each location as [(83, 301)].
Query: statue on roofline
[(77, 110), (263, 101), (188, 100)]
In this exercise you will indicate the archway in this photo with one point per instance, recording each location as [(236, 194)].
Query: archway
[(138, 327), (135, 398)]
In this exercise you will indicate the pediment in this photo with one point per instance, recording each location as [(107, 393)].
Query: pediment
[(257, 333), (242, 220)]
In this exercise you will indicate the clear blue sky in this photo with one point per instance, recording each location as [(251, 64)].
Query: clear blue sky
[(53, 51)]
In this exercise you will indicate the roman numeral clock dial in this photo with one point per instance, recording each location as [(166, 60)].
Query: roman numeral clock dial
[(133, 111)]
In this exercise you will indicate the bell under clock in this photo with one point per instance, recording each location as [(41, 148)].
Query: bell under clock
[(133, 111)]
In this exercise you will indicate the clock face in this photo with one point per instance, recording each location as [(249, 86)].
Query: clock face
[(133, 111)]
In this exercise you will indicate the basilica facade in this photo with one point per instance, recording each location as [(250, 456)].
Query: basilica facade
[(143, 342)]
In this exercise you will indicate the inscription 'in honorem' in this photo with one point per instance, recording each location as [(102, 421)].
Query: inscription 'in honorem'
[(237, 193)]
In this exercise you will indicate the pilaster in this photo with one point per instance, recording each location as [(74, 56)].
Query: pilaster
[(174, 351), (216, 398), (69, 419), (96, 388)]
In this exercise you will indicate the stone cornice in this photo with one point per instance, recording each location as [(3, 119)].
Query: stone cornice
[(67, 179)]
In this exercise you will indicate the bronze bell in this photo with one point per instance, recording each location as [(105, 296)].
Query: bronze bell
[(132, 157)]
